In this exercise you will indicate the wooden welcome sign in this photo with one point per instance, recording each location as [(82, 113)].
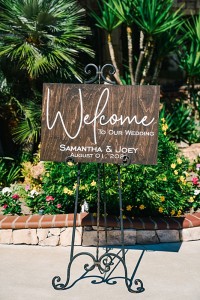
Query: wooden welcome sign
[(100, 123)]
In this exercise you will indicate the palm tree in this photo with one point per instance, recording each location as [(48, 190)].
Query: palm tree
[(108, 22), (167, 42), (40, 37), (27, 131), (40, 40), (153, 18), (189, 58), (124, 11), (190, 50)]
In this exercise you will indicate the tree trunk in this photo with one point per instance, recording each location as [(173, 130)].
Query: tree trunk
[(112, 56), (148, 54), (130, 53), (157, 68), (139, 67), (141, 58), (191, 92)]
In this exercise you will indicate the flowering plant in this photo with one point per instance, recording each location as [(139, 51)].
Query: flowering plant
[(195, 197), (162, 189), (10, 201), (48, 205), (33, 172), (59, 187), (39, 203), (31, 197)]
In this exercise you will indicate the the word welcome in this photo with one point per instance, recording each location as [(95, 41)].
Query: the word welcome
[(98, 116)]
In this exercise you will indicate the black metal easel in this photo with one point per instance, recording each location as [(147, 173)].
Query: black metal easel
[(105, 262)]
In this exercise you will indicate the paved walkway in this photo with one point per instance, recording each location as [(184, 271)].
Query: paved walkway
[(169, 271)]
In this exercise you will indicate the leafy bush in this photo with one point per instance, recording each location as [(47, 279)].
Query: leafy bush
[(181, 123), (147, 190), (162, 189), (196, 183), (9, 172), (9, 200), (59, 187)]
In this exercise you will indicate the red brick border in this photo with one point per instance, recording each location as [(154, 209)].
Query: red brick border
[(84, 219)]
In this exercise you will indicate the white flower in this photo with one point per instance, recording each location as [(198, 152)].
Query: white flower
[(6, 190), (33, 193), (198, 167), (196, 192)]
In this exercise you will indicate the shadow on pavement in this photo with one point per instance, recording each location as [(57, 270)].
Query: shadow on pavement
[(167, 247)]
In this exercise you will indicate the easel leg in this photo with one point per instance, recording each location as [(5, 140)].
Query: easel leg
[(57, 279), (127, 281)]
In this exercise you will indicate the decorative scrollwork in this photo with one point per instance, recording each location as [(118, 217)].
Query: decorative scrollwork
[(112, 71), (126, 160), (140, 288), (88, 71), (56, 284), (89, 268), (64, 286), (100, 73), (104, 264)]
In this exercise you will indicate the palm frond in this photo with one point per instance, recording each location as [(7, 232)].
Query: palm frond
[(192, 27), (108, 19), (28, 129), (124, 10), (34, 30), (156, 16)]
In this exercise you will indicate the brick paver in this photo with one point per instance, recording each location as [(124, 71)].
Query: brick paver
[(83, 219)]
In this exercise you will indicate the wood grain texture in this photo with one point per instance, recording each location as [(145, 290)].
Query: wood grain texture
[(100, 123)]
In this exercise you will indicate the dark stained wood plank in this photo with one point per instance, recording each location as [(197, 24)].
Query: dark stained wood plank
[(100, 123)]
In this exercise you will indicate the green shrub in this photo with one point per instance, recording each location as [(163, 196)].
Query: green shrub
[(181, 123), (59, 188), (196, 183), (10, 201), (161, 189), (9, 172)]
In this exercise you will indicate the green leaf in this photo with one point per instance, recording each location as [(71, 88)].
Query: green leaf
[(35, 30), (156, 16)]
